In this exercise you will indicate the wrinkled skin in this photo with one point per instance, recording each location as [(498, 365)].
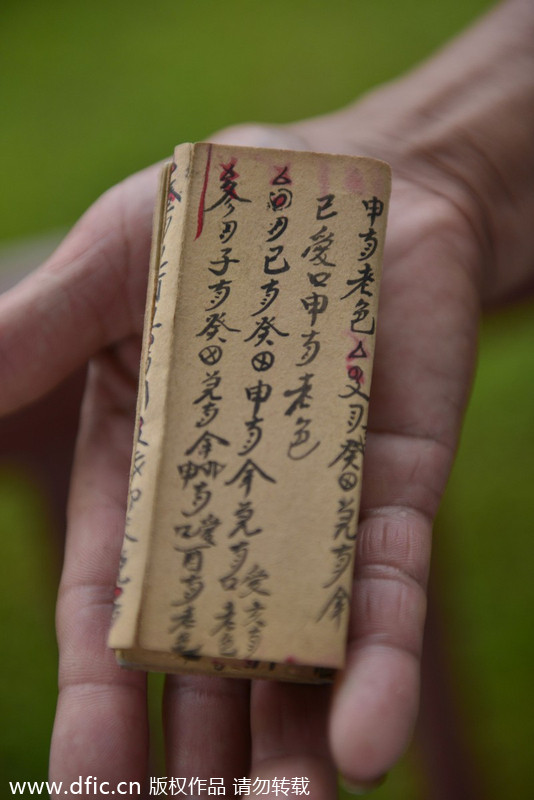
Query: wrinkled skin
[(86, 303)]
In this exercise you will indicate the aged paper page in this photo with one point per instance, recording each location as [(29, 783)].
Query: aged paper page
[(255, 506)]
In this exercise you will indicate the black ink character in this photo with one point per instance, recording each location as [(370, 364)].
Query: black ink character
[(252, 582), (347, 481), (319, 279), (243, 515), (311, 347), (183, 619), (255, 432), (204, 444), (262, 361), (182, 646), (193, 587), (282, 178), (258, 394), (254, 612), (140, 439), (343, 556), (301, 436), (277, 250), (350, 453), (371, 243), (272, 291), (229, 227), (374, 208), (336, 606), (355, 416), (360, 313), (209, 468), (200, 537), (200, 500), (226, 619), (324, 204), (317, 252), (315, 304), (263, 329), (138, 463), (360, 284), (188, 471), (211, 382), (209, 412), (192, 561), (225, 260), (302, 392), (221, 290), (277, 229), (280, 199), (345, 517), (213, 323), (357, 352), (228, 184), (246, 474), (135, 496), (240, 552), (211, 354), (209, 399), (354, 390)]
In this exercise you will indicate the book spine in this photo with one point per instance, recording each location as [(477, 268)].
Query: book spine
[(149, 434)]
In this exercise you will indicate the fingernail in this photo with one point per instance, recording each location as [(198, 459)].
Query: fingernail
[(364, 787)]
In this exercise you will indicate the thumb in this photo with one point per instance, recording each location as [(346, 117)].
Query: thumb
[(259, 135), (88, 295)]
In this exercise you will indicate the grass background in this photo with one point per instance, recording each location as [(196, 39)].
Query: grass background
[(93, 91)]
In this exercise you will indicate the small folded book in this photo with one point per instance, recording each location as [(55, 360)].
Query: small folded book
[(253, 395)]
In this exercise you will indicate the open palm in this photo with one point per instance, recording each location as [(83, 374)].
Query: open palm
[(87, 302)]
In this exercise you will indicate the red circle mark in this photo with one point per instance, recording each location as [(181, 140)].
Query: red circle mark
[(356, 374)]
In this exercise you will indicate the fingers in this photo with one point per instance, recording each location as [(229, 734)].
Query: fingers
[(207, 727), (89, 294), (426, 311), (207, 731), (290, 737), (375, 704), (425, 354), (288, 722), (101, 721), (251, 135)]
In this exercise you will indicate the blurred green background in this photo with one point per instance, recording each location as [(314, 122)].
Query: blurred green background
[(91, 92)]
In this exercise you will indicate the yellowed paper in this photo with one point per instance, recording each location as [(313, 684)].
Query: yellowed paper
[(254, 390)]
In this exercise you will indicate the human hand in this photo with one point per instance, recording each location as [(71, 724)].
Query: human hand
[(113, 716), (87, 303)]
